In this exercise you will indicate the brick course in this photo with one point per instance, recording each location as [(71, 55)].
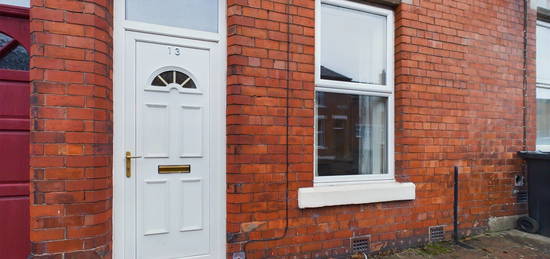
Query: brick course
[(71, 139)]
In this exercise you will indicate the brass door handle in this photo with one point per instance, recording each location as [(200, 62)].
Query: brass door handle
[(129, 158)]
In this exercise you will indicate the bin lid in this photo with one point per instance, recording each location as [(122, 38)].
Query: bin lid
[(534, 155)]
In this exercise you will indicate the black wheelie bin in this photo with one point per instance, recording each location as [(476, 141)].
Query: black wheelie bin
[(538, 184)]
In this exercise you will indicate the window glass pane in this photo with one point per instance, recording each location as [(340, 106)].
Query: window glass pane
[(544, 3), (4, 39), (173, 77), (22, 3), (351, 134), (543, 116), (192, 14), (543, 54), (353, 45)]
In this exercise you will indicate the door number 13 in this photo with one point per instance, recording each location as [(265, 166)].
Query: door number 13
[(174, 51)]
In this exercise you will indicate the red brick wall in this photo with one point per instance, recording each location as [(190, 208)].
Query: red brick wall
[(459, 101), (256, 121), (71, 139)]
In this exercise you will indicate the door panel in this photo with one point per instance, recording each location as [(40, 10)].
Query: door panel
[(168, 124), (14, 132), (191, 213), (14, 217), (14, 156), (192, 139)]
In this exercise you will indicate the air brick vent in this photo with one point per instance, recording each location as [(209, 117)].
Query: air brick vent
[(437, 233), (360, 245), (522, 197)]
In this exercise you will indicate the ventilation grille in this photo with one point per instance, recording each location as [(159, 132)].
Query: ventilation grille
[(360, 245), (522, 196), (437, 233)]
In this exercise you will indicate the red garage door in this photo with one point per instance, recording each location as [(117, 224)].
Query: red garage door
[(14, 132)]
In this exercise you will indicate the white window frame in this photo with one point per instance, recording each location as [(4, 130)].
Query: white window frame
[(386, 90), (543, 85)]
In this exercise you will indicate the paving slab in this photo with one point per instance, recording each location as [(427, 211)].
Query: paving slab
[(512, 244)]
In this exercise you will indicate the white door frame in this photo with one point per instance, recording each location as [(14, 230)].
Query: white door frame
[(218, 113)]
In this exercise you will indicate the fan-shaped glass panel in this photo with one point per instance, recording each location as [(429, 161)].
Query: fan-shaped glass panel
[(12, 55), (173, 77), (4, 40)]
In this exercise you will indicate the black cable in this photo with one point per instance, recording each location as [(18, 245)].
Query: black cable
[(285, 232)]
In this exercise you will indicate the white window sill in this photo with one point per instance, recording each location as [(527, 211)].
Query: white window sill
[(323, 196), (543, 148)]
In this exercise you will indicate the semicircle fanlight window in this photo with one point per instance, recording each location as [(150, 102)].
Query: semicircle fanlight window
[(173, 77), (13, 55)]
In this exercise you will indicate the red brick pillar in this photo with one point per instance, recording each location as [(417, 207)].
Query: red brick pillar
[(71, 135)]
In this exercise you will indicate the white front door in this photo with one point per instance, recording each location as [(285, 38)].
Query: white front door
[(172, 191)]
